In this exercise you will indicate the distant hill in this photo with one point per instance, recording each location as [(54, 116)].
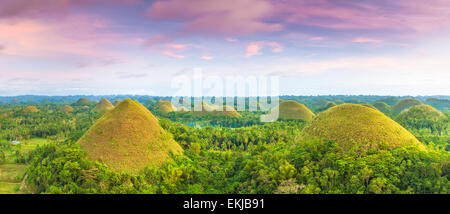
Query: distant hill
[(30, 109), (294, 110), (440, 104), (103, 106), (383, 107), (420, 116), (164, 106), (355, 125), (66, 109), (82, 102), (128, 138), (404, 105)]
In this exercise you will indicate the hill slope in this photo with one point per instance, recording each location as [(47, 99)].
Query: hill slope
[(128, 138), (367, 128)]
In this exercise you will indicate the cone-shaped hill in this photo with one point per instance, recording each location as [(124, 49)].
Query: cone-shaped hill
[(294, 110), (404, 105), (103, 106), (214, 110), (30, 109), (82, 102), (165, 106), (383, 107), (66, 109), (419, 115), (128, 138), (356, 125)]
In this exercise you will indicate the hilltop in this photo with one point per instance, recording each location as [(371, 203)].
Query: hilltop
[(30, 109), (164, 106), (82, 102), (66, 109), (214, 110), (356, 125), (128, 138), (103, 106), (420, 116), (405, 104), (294, 110)]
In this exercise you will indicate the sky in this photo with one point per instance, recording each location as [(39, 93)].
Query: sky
[(315, 47)]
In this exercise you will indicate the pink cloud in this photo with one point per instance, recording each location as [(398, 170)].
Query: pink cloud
[(231, 17), (366, 40), (207, 57), (39, 38), (415, 15), (317, 38), (168, 53), (23, 8), (255, 48), (158, 40), (229, 39)]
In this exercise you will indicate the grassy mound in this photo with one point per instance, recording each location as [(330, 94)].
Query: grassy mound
[(128, 138), (355, 125), (66, 109), (383, 107), (30, 109), (419, 115), (165, 106), (294, 110), (214, 110), (405, 104), (82, 102), (103, 106)]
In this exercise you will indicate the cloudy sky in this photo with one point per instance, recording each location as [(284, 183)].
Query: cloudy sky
[(384, 47)]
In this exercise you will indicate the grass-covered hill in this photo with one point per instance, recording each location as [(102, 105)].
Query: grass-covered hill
[(420, 116), (82, 102), (294, 110), (213, 110), (383, 107), (405, 104), (66, 109), (353, 125), (128, 138), (103, 106), (30, 109), (164, 106)]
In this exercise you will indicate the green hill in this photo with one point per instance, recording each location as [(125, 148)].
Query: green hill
[(419, 116), (66, 109), (164, 106), (383, 107), (82, 102), (103, 106), (356, 125), (405, 104), (294, 110), (214, 110), (128, 138), (30, 109)]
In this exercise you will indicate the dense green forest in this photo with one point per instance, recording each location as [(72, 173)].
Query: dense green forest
[(223, 154)]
